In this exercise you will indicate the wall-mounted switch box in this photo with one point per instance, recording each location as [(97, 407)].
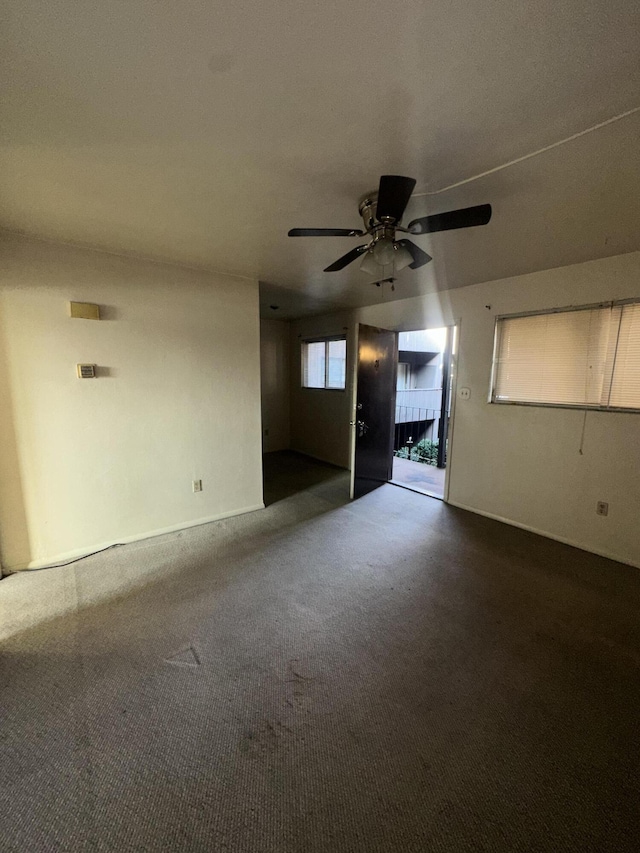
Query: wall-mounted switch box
[(197, 485), (84, 310), (86, 371)]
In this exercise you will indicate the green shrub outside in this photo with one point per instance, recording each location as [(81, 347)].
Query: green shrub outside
[(425, 451)]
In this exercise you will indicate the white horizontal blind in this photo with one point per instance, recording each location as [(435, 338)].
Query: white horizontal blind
[(553, 358), (313, 364), (585, 357), (625, 385)]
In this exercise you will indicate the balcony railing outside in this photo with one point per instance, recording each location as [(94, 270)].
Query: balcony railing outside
[(418, 404)]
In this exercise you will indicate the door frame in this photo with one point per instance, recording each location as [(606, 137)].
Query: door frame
[(453, 372), (352, 345)]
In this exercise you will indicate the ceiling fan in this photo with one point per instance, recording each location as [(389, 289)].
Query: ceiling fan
[(382, 213)]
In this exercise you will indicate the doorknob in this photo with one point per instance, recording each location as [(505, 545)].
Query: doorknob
[(362, 427)]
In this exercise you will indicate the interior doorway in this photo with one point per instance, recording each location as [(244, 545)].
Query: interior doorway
[(423, 408)]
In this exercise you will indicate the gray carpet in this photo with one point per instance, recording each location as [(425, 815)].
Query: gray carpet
[(388, 675)]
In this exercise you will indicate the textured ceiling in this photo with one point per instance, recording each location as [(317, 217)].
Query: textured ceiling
[(200, 132)]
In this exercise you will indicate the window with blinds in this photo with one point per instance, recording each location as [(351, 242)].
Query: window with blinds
[(324, 363), (586, 357)]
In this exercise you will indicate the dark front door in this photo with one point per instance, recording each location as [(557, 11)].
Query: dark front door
[(374, 419)]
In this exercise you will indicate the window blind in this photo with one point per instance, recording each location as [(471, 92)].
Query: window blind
[(587, 357), (625, 384), (314, 364)]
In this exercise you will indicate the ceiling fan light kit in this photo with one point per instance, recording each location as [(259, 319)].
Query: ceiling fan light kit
[(369, 265), (382, 214), (385, 252)]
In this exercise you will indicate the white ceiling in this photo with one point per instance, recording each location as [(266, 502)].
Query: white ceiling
[(200, 132)]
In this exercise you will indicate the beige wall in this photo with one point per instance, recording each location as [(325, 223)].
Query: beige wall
[(274, 384), (520, 464), (319, 417), (85, 463)]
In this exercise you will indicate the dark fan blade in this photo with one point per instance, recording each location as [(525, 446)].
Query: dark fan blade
[(342, 262), (394, 193), (420, 258), (325, 232), (466, 217)]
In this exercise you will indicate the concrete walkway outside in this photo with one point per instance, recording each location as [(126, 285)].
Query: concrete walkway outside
[(427, 478)]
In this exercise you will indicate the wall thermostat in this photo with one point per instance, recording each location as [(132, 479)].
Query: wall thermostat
[(84, 310), (86, 371)]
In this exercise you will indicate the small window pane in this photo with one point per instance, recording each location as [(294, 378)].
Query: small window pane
[(402, 383), (337, 364), (314, 355)]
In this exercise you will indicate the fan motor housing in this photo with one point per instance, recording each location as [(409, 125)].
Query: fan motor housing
[(377, 230), (367, 209)]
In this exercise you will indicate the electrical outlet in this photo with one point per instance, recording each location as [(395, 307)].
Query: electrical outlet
[(602, 508), (197, 485), (464, 393)]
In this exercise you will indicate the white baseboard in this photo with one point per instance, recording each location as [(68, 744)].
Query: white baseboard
[(545, 533), (126, 540)]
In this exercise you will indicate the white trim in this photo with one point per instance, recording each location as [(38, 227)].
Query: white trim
[(583, 407), (453, 374), (355, 334), (86, 552), (565, 541)]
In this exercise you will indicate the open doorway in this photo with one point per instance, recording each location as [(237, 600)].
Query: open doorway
[(422, 411)]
